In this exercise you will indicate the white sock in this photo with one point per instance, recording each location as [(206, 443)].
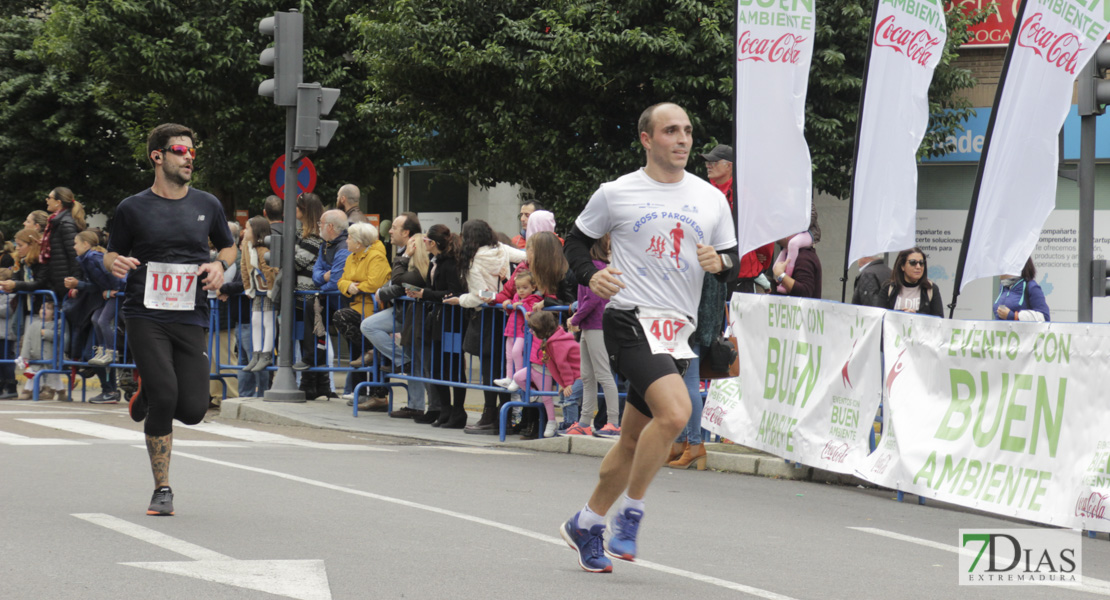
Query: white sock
[(627, 503), (588, 518)]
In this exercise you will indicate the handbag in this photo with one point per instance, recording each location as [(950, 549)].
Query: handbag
[(720, 360)]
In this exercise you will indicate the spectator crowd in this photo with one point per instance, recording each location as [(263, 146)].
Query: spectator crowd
[(402, 299)]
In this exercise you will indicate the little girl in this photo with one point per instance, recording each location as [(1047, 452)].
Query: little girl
[(8, 339), (38, 344), (90, 257), (526, 296), (595, 360), (258, 280), (555, 355), (801, 240)]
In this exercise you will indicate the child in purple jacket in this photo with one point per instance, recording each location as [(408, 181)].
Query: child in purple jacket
[(595, 360)]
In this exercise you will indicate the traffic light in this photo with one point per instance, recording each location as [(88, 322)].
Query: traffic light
[(1094, 91), (313, 102), (1100, 279), (286, 56)]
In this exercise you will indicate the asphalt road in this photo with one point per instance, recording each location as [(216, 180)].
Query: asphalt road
[(271, 512)]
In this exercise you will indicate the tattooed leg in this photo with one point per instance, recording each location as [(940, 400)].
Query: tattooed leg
[(159, 448)]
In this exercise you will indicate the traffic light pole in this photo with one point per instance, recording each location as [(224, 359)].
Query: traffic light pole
[(284, 388), (1086, 215)]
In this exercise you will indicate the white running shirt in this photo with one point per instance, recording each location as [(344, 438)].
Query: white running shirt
[(655, 229)]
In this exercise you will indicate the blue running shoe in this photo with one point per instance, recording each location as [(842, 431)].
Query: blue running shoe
[(589, 545), (625, 526)]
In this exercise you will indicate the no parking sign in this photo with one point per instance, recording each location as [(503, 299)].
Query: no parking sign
[(306, 176)]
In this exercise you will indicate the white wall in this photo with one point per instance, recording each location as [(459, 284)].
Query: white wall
[(498, 206)]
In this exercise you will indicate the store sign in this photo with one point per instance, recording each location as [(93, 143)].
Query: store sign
[(968, 143), (995, 31)]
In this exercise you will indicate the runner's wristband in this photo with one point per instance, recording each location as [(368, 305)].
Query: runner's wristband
[(223, 263)]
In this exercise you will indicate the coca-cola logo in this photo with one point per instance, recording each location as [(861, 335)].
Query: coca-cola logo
[(881, 464), (1092, 506), (916, 45), (715, 415), (783, 49), (1060, 50), (834, 452)]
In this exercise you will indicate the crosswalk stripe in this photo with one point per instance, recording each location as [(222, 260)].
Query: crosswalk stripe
[(471, 450), (89, 428), (119, 434), (253, 435), (14, 439)]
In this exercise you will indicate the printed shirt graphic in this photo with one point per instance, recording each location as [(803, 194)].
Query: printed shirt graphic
[(1053, 41), (906, 47), (655, 230), (773, 168)]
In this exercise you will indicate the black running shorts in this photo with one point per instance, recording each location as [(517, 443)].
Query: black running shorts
[(631, 356)]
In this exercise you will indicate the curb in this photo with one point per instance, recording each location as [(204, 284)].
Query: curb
[(744, 463)]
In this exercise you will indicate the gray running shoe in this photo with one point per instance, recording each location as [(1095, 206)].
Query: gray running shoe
[(161, 503)]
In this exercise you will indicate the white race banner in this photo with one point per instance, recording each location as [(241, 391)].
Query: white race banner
[(773, 169), (1053, 41), (1005, 417), (810, 380), (906, 46)]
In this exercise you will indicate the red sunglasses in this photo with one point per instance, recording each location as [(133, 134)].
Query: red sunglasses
[(180, 150)]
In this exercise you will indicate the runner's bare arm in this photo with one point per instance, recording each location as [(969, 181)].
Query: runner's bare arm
[(602, 282), (713, 261), (119, 265), (213, 272)]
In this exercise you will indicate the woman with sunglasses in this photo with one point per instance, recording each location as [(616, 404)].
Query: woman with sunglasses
[(908, 289)]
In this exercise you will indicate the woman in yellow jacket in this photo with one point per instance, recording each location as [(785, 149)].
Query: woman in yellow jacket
[(366, 270)]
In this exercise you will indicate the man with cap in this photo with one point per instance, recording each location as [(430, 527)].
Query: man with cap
[(718, 164)]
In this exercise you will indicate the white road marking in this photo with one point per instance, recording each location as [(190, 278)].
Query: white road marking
[(47, 411), (119, 434), (731, 585), (253, 435), (150, 536), (471, 450), (91, 429), (301, 579), (14, 439), (1090, 584)]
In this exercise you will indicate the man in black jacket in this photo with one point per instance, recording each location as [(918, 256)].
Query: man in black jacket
[(873, 273)]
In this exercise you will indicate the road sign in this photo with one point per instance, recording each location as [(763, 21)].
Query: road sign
[(306, 176)]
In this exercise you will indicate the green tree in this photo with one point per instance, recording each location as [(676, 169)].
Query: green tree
[(51, 132), (196, 62), (546, 94)]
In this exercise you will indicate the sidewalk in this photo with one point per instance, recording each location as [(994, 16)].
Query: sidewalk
[(336, 415)]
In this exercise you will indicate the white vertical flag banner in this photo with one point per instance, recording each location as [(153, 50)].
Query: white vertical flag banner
[(810, 380), (906, 46), (1053, 41), (773, 169)]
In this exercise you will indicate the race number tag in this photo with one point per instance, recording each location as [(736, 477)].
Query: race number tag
[(667, 331), (170, 286)]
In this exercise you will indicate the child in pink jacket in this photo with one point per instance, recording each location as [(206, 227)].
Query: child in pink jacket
[(526, 296), (555, 355)]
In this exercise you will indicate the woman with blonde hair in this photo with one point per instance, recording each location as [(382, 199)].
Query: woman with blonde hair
[(410, 270)]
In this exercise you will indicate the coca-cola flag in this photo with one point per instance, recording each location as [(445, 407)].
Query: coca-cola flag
[(773, 171), (906, 46), (1017, 189)]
